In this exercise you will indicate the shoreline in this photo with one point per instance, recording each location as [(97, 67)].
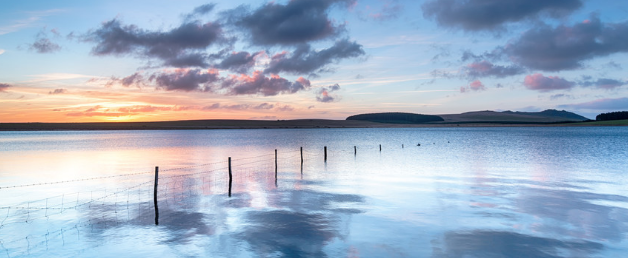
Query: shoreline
[(277, 124)]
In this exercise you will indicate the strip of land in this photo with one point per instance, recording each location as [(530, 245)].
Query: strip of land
[(548, 117), (279, 124)]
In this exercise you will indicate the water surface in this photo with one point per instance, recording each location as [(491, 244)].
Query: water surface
[(464, 192)]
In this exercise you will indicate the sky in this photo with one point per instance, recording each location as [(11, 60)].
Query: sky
[(90, 61)]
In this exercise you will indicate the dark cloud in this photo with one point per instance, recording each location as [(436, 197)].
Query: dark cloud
[(58, 91), (477, 15), (262, 85), (210, 81), (487, 69), (4, 87), (561, 96), (305, 60), (185, 80), (239, 62), (603, 83), (178, 47), (550, 83), (188, 60), (323, 94), (44, 45), (296, 22), (493, 55), (134, 79), (600, 104), (200, 10), (564, 48)]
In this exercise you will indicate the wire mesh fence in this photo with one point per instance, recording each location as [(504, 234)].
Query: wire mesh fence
[(129, 199)]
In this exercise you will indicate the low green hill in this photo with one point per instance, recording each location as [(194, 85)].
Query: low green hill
[(397, 118), (506, 117)]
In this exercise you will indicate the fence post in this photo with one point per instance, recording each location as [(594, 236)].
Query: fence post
[(155, 196), (230, 177), (275, 167), (275, 163), (325, 153), (301, 155), (355, 150)]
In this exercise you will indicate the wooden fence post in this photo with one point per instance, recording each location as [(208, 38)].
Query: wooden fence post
[(155, 196), (230, 177)]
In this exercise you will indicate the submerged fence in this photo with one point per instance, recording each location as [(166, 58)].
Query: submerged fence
[(137, 198)]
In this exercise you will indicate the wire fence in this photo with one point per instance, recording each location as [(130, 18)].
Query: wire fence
[(31, 226)]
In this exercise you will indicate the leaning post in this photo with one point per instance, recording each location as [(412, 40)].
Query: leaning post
[(155, 196), (230, 177)]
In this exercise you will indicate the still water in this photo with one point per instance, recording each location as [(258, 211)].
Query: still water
[(464, 192)]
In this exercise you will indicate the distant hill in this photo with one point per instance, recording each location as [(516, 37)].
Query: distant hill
[(553, 113), (619, 115), (546, 116), (477, 117), (397, 118)]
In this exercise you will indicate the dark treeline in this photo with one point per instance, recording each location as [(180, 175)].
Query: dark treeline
[(399, 118), (619, 115)]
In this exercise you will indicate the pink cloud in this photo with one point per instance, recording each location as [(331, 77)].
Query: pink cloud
[(550, 83), (476, 85)]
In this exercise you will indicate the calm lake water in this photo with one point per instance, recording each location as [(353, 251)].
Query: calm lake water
[(464, 192)]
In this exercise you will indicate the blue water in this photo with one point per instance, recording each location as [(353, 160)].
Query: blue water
[(464, 192)]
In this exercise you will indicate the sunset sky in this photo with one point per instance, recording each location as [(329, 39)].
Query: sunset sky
[(79, 61)]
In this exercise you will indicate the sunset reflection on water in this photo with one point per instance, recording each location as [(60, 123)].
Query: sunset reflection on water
[(489, 192)]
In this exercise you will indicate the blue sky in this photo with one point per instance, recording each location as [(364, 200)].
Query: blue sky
[(163, 60)]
